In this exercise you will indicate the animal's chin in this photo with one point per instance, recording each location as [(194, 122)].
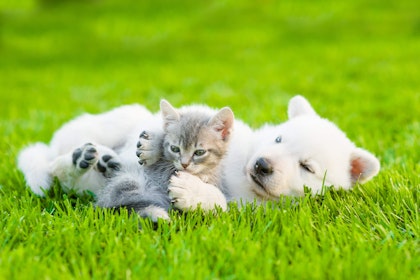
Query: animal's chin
[(259, 188), (257, 181)]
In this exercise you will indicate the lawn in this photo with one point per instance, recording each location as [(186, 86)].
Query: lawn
[(358, 63)]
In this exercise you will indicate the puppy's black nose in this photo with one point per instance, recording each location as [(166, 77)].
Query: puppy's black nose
[(263, 167)]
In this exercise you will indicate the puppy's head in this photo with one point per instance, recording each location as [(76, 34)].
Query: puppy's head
[(306, 150)]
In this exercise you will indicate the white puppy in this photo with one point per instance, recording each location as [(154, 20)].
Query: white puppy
[(306, 150), (112, 134)]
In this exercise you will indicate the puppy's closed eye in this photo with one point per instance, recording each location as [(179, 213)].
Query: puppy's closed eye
[(307, 167)]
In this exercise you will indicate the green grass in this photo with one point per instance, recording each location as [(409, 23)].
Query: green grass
[(356, 61)]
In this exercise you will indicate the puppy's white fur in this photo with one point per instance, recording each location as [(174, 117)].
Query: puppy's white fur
[(114, 133), (312, 152), (40, 162), (306, 150)]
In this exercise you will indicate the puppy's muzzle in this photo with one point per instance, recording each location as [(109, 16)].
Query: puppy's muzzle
[(262, 167)]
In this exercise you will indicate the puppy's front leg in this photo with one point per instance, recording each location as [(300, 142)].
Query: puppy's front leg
[(187, 192)]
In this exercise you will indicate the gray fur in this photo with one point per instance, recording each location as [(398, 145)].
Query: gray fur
[(138, 189), (147, 185), (190, 134)]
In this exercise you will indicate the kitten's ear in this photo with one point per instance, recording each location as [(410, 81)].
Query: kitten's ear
[(363, 166), (169, 113), (222, 122), (298, 105)]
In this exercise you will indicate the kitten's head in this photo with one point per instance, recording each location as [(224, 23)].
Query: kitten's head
[(196, 138)]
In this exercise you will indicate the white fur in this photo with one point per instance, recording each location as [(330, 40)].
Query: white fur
[(114, 133), (34, 162), (306, 138), (40, 163), (185, 197), (155, 213)]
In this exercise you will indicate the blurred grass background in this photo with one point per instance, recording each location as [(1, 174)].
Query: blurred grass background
[(358, 63)]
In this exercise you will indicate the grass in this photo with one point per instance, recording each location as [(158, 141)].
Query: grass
[(356, 61)]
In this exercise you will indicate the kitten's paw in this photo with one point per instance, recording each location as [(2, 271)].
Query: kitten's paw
[(85, 157), (185, 191), (108, 165), (148, 148)]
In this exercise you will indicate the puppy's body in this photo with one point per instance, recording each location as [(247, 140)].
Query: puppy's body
[(111, 133)]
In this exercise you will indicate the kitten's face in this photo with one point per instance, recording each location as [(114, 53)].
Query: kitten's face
[(193, 148), (196, 139)]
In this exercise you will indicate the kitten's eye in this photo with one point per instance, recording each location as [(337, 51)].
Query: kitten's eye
[(278, 139), (307, 167), (175, 149), (199, 153)]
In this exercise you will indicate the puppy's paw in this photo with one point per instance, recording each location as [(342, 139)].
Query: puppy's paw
[(148, 148), (188, 192), (154, 213), (85, 157), (108, 165), (185, 191)]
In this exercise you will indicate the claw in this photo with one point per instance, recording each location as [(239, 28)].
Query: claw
[(138, 144), (141, 162), (138, 153), (144, 135), (174, 200)]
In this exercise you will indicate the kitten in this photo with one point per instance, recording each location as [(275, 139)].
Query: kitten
[(192, 139)]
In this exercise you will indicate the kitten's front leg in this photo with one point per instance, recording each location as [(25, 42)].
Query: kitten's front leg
[(149, 147), (188, 192)]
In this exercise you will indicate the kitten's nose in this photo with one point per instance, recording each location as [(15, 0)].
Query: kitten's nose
[(185, 165), (263, 167)]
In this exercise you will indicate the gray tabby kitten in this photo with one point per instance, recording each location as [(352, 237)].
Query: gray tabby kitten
[(193, 139)]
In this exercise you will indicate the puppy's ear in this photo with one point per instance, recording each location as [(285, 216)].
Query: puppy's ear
[(363, 166), (298, 105), (222, 122), (169, 114)]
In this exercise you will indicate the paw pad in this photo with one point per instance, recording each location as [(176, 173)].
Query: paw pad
[(108, 165), (84, 156)]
